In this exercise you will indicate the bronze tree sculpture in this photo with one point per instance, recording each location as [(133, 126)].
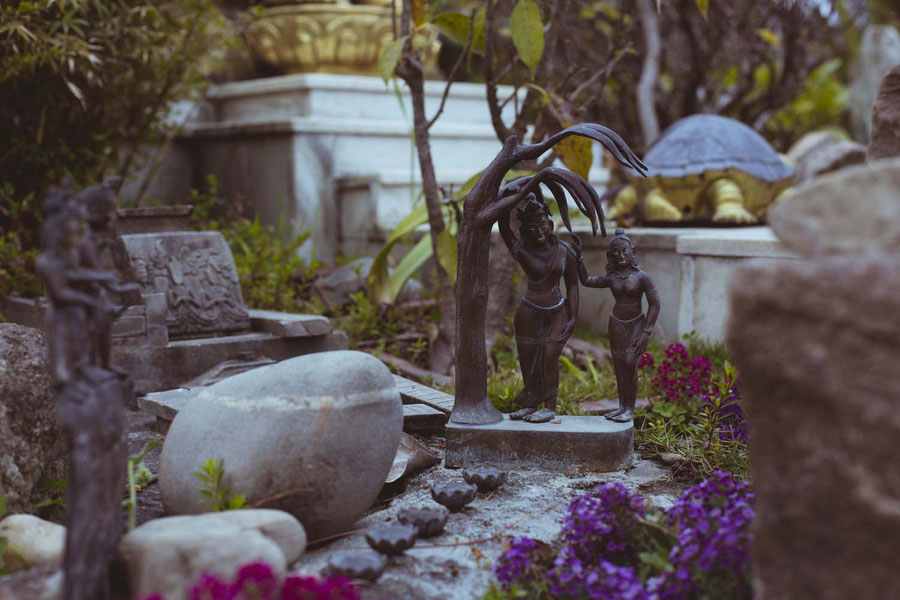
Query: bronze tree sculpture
[(483, 206)]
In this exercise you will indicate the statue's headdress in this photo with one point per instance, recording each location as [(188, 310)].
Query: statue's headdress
[(533, 210), (620, 238)]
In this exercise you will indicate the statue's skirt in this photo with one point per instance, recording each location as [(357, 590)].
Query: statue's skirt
[(540, 342)]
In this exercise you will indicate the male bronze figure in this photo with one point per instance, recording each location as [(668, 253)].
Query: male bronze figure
[(544, 319)]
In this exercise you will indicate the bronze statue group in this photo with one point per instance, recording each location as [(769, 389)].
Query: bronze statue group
[(545, 318)]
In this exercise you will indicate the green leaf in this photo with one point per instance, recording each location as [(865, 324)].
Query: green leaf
[(446, 249), (527, 30), (378, 276), (577, 154), (703, 5), (409, 265), (454, 25), (769, 36), (389, 57), (2, 506)]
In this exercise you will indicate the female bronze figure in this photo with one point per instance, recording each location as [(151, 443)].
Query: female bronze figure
[(544, 319), (629, 329)]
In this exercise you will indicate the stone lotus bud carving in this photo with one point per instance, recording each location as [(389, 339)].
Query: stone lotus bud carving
[(487, 479), (429, 522), (391, 539), (356, 564), (454, 495)]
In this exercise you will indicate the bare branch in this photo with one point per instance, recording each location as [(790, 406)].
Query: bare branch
[(490, 80)]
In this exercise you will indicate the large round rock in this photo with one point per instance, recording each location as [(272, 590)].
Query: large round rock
[(314, 436), (31, 440)]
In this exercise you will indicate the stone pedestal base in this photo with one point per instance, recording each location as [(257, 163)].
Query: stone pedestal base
[(570, 444)]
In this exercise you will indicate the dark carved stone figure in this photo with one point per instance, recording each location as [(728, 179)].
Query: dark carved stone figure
[(91, 397), (629, 329), (544, 319)]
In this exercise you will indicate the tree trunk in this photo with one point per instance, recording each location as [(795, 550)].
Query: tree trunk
[(650, 73), (472, 405)]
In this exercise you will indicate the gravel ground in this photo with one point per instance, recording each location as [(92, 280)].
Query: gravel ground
[(455, 565)]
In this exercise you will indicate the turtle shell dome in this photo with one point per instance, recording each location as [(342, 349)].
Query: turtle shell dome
[(707, 142)]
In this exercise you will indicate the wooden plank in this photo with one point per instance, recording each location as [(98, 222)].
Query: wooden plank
[(418, 417), (416, 393)]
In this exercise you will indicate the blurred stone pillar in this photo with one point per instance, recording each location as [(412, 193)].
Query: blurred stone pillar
[(817, 344)]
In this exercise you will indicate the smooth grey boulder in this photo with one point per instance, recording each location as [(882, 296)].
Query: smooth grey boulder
[(854, 210), (167, 556), (31, 441), (822, 152), (314, 436)]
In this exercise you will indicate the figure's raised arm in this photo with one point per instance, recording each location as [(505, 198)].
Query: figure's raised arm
[(509, 238), (596, 281)]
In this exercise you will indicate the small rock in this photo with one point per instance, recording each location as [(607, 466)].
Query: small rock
[(886, 118), (878, 53), (822, 152), (607, 405), (351, 278), (32, 540), (166, 556), (855, 210), (314, 435), (671, 458)]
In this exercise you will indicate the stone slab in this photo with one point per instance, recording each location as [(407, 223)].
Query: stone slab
[(584, 444), (289, 324), (195, 271)]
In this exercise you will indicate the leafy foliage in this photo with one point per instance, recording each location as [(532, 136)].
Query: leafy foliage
[(85, 84), (212, 474), (52, 507)]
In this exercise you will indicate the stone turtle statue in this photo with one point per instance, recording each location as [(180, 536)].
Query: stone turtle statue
[(704, 168)]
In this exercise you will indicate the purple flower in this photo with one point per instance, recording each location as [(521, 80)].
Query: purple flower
[(646, 361), (520, 561), (210, 587), (712, 553), (255, 581), (572, 578), (680, 377), (604, 524)]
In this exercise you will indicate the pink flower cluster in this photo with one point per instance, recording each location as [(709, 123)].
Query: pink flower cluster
[(258, 581), (680, 377)]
